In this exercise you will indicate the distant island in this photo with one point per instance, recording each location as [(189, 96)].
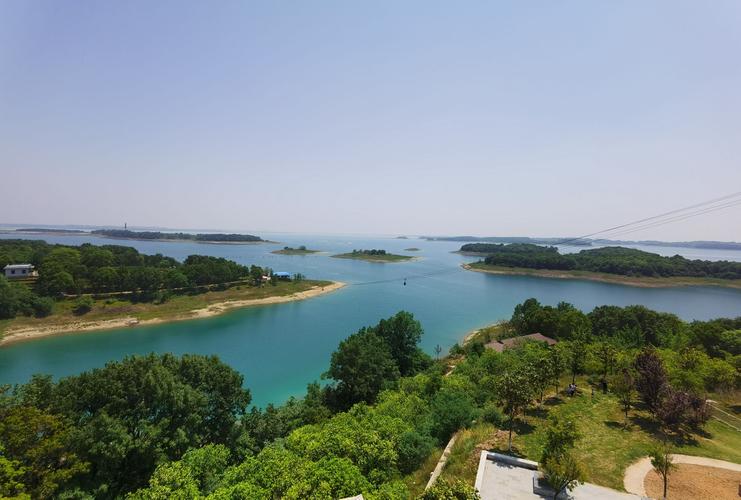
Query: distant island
[(49, 230), (302, 250), (412, 249), (617, 264), (511, 239), (157, 235), (710, 245), (374, 256)]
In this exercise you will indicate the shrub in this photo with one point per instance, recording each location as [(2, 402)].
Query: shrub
[(444, 490), (83, 305), (492, 414), (42, 307), (413, 449)]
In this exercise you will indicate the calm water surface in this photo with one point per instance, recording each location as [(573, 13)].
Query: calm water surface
[(280, 348)]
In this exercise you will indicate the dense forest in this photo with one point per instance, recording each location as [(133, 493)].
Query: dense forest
[(72, 270), (157, 427), (157, 235), (613, 260)]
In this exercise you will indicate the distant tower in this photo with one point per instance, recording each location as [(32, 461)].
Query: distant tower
[(124, 226)]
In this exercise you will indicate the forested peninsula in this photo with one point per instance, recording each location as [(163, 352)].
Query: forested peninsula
[(618, 264), (157, 235), (91, 287)]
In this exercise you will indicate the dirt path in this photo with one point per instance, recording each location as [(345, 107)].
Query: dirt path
[(635, 475)]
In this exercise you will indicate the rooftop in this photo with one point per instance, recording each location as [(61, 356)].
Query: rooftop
[(19, 266)]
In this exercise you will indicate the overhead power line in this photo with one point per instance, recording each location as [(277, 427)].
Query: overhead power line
[(663, 218)]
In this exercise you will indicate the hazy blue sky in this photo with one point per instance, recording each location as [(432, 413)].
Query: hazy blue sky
[(525, 118)]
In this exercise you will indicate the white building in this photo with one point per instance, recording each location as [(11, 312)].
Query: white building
[(19, 271)]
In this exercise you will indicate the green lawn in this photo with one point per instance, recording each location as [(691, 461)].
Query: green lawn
[(605, 448), (389, 257)]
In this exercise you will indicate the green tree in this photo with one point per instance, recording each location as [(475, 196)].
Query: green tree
[(663, 464), (39, 444), (623, 385), (576, 352), (133, 414), (451, 409), (606, 353), (560, 436), (563, 473), (402, 333), (361, 366), (514, 393)]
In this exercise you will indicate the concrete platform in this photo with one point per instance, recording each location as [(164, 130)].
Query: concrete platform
[(506, 478)]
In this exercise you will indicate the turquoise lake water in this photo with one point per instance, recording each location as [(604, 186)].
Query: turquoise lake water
[(281, 348)]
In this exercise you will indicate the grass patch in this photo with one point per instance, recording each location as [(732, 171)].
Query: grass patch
[(417, 480), (463, 461), (640, 281), (606, 448)]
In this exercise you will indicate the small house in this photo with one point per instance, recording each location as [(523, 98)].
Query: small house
[(19, 271), (282, 275)]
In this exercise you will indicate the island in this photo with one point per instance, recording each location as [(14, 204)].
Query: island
[(126, 234), (412, 249), (610, 264), (302, 250), (91, 287), (374, 255)]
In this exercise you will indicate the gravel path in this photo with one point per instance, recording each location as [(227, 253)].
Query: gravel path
[(636, 473)]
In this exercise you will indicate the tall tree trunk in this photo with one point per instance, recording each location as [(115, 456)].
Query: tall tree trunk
[(665, 483), (511, 422)]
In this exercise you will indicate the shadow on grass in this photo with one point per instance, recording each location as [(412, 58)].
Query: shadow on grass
[(521, 427), (680, 438), (612, 424), (735, 409), (553, 401), (537, 412)]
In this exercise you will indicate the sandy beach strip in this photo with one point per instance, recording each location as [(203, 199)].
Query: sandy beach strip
[(14, 335), (641, 282)]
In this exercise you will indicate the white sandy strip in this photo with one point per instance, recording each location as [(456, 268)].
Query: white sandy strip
[(35, 332), (635, 474)]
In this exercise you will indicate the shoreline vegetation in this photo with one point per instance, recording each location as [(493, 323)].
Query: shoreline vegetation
[(123, 234), (637, 281), (374, 256), (302, 250), (108, 315), (703, 244)]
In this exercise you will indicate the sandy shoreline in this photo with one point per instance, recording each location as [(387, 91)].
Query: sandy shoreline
[(617, 280), (31, 333)]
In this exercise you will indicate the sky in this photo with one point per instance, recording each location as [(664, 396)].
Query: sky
[(521, 118)]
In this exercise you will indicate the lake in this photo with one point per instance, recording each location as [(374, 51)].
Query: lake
[(281, 348)]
